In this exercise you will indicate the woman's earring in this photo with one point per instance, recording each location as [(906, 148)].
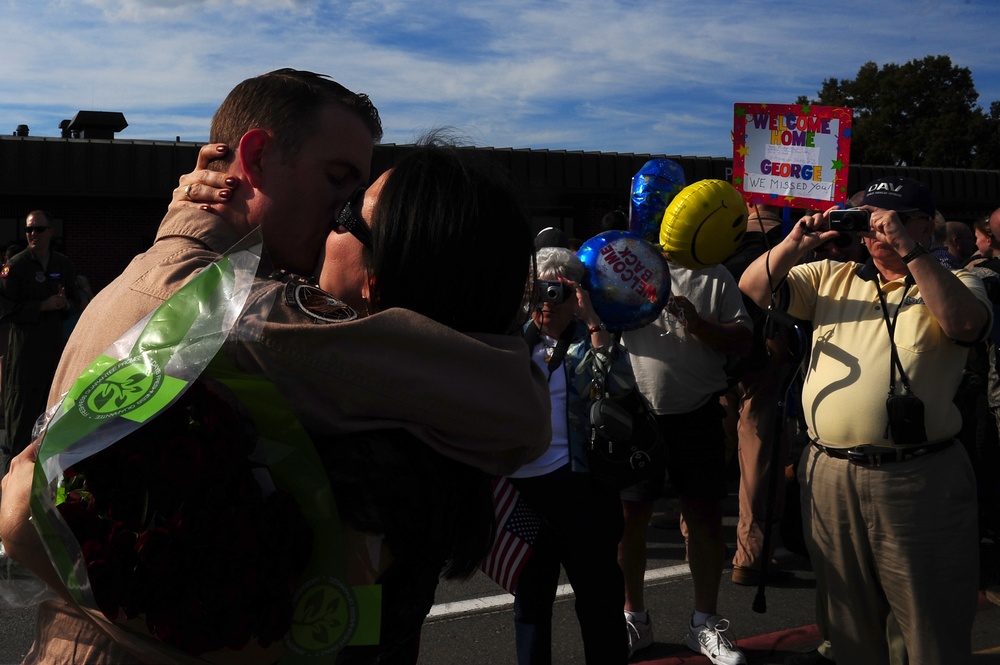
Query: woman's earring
[(365, 292)]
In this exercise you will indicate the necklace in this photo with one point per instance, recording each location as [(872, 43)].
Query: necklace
[(550, 347)]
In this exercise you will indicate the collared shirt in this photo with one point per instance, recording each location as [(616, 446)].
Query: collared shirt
[(847, 382)]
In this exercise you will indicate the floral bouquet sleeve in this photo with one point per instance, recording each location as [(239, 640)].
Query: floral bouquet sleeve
[(181, 502)]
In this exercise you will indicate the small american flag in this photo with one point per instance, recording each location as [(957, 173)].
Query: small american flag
[(516, 529)]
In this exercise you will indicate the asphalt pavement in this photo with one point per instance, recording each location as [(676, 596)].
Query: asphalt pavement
[(472, 621)]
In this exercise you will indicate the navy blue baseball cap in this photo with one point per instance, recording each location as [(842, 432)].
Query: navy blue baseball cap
[(900, 194)]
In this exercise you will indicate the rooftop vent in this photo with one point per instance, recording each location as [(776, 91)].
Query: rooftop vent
[(22, 130), (96, 124)]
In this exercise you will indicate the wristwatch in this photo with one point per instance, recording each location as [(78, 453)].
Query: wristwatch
[(918, 250), (598, 328)]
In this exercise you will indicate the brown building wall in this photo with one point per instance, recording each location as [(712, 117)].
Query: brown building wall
[(109, 195), (100, 235)]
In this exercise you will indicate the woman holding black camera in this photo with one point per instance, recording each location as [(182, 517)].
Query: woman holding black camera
[(581, 520)]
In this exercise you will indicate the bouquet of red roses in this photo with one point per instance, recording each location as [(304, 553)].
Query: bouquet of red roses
[(183, 505), (178, 525)]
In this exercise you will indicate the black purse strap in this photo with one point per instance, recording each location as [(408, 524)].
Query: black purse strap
[(603, 368)]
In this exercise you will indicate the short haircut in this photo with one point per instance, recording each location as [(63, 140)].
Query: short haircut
[(286, 102), (44, 214), (556, 262), (451, 239)]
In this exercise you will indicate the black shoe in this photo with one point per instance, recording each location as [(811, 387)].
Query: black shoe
[(813, 657), (751, 576)]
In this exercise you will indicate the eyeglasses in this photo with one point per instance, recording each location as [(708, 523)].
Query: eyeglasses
[(907, 217), (35, 229), (350, 218)]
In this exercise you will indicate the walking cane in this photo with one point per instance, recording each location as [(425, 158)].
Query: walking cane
[(780, 318)]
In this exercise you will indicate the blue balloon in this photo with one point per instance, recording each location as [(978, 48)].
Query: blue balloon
[(653, 188), (627, 277)]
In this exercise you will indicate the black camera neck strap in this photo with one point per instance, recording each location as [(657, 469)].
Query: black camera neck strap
[(533, 336), (890, 324)]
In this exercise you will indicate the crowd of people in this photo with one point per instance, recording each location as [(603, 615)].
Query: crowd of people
[(420, 386)]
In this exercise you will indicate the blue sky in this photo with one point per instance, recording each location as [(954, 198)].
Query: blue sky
[(643, 76)]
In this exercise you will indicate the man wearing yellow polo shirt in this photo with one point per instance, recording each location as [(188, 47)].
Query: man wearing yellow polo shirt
[(889, 498)]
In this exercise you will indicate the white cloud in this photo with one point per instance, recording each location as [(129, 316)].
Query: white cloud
[(629, 75)]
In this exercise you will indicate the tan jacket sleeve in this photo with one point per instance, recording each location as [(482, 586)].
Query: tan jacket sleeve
[(479, 400)]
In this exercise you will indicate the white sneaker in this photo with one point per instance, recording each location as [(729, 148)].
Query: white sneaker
[(710, 641), (640, 633)]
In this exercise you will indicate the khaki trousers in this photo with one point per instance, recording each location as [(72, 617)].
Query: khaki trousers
[(902, 537)]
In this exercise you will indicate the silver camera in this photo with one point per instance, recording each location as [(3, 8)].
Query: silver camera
[(553, 291)]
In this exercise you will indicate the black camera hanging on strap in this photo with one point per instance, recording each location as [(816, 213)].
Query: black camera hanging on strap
[(906, 411)]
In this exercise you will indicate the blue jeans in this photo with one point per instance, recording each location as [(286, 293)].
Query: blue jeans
[(581, 526)]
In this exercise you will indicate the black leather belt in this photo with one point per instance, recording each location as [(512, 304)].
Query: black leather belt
[(871, 455)]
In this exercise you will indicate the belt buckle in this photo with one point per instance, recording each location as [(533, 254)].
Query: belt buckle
[(869, 455)]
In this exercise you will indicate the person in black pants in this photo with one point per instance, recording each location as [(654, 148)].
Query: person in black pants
[(580, 518)]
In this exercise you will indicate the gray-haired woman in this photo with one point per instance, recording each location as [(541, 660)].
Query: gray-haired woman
[(581, 520)]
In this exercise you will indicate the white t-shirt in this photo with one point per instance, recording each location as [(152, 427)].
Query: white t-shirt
[(675, 371)]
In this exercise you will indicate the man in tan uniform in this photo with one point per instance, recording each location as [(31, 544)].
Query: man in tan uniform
[(477, 400), (37, 294)]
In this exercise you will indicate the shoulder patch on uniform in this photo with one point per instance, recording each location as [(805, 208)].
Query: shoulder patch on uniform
[(286, 277), (317, 304), (5, 271)]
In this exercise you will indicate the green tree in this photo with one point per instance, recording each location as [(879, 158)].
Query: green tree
[(988, 147), (922, 113)]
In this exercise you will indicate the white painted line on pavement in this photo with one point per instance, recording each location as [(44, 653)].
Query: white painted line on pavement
[(487, 603)]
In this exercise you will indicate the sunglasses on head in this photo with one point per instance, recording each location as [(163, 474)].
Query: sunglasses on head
[(350, 218), (36, 229)]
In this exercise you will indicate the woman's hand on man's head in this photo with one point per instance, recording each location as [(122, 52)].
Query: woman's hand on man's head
[(204, 188)]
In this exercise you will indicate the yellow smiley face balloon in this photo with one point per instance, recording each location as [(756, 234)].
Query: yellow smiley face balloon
[(703, 224)]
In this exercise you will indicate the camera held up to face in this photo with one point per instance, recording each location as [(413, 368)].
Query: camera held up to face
[(553, 291), (852, 220)]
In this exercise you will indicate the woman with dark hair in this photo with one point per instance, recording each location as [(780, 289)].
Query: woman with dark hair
[(447, 223), (443, 225)]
